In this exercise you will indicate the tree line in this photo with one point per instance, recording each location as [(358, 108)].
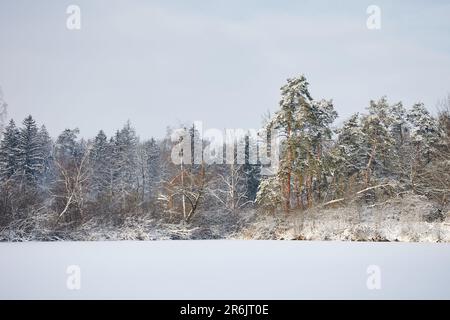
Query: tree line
[(383, 152)]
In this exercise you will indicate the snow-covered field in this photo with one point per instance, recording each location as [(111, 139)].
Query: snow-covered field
[(224, 270), (242, 269)]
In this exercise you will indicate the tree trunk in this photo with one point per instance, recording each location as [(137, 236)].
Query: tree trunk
[(182, 188), (297, 192), (310, 191), (369, 166), (289, 170)]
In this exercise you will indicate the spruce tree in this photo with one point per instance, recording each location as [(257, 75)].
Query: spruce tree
[(46, 150), (152, 165), (100, 159), (125, 174), (30, 156), (9, 151)]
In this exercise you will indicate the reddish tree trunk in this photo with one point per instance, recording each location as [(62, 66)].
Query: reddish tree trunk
[(289, 171)]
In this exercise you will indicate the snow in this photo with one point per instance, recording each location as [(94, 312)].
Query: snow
[(223, 270), (408, 219), (403, 219)]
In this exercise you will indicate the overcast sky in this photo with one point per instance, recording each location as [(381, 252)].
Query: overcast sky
[(160, 63)]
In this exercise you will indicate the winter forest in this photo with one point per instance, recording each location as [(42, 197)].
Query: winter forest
[(381, 175)]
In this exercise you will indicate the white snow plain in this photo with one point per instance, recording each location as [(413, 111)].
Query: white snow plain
[(224, 270)]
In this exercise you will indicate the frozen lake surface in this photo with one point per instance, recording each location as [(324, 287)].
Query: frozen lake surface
[(224, 270)]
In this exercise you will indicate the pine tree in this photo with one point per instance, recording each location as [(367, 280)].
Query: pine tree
[(382, 111), (377, 128), (399, 124), (424, 130), (317, 135), (305, 126), (295, 101), (423, 136), (351, 154)]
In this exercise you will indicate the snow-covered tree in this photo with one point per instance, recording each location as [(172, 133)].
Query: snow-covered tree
[(399, 124), (73, 176), (3, 113), (125, 169), (30, 159), (424, 130), (185, 182), (252, 171), (229, 184), (46, 150), (9, 151), (100, 162), (294, 103), (377, 142), (381, 110), (430, 169), (350, 154), (349, 142), (150, 169), (305, 127), (67, 146), (269, 195), (317, 134)]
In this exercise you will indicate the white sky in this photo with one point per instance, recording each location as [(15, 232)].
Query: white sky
[(161, 63)]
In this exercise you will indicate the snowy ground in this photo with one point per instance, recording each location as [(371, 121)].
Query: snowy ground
[(224, 270), (409, 219)]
